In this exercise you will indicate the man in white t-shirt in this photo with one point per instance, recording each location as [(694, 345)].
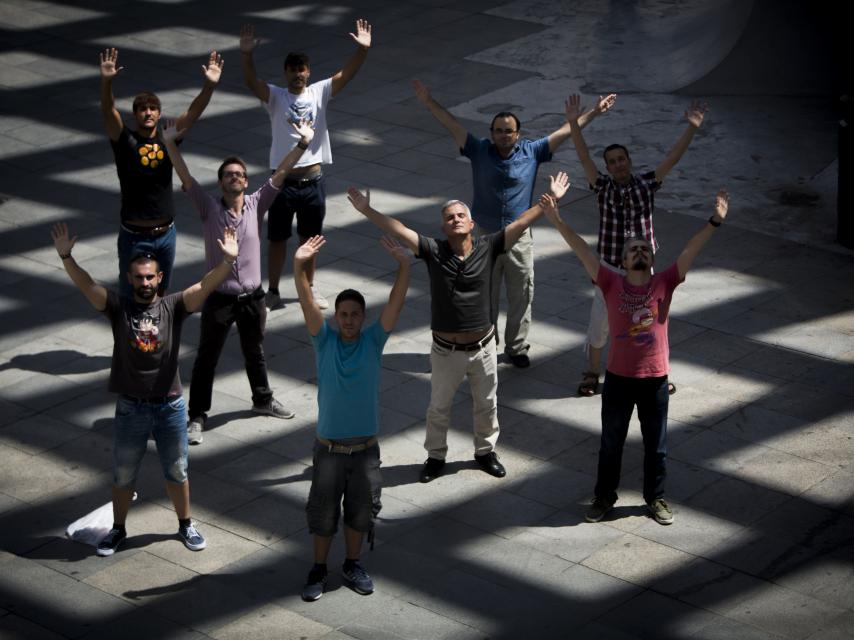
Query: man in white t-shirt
[(304, 191)]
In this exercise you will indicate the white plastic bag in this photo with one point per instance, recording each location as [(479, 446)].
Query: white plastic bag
[(91, 528)]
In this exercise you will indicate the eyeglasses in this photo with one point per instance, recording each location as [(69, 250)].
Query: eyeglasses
[(507, 131), (234, 174)]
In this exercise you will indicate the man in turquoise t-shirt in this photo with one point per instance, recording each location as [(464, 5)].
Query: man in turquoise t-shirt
[(346, 460)]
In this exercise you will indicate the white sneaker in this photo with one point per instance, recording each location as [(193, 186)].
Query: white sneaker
[(319, 300), (194, 430), (273, 300)]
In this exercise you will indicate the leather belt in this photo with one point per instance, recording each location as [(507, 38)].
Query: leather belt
[(304, 181), (347, 448), (469, 346), (151, 232), (152, 400), (241, 297)]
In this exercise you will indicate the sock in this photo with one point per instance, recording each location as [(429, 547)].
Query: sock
[(320, 567), (119, 527), (273, 290), (186, 522), (350, 563)]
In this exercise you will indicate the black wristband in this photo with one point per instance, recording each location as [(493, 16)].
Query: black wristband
[(713, 222), (302, 145), (64, 256)]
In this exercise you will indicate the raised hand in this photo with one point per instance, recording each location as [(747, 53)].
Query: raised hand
[(248, 41), (109, 59), (606, 103), (558, 185), (421, 91), (549, 205), (170, 132), (395, 249), (228, 244), (213, 70), (361, 202), (362, 37), (308, 249), (722, 204), (695, 114), (61, 241), (573, 107), (304, 130)]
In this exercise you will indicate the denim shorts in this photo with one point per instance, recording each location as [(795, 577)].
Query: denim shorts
[(354, 477), (134, 421)]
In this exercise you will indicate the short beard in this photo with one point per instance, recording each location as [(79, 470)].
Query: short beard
[(145, 293), (640, 265)]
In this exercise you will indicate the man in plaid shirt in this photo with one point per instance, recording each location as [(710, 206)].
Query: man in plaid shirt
[(626, 201)]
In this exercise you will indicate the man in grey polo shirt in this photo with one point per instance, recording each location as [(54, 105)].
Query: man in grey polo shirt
[(461, 270), (240, 298)]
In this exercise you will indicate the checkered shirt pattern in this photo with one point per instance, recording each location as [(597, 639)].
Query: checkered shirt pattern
[(625, 211)]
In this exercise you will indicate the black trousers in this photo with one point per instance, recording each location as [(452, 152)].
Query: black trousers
[(220, 311)]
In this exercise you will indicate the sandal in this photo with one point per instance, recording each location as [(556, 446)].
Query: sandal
[(589, 384)]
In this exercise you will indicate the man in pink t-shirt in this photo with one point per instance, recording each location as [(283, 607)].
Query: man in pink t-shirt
[(639, 359)]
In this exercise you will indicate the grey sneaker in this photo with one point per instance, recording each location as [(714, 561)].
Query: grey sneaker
[(273, 408), (319, 300), (315, 585), (110, 543), (273, 300), (598, 509), (660, 511), (194, 430), (358, 579), (191, 538)]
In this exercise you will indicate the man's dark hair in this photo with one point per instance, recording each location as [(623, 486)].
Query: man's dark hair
[(144, 256), (612, 147), (506, 114), (350, 294), (296, 59), (230, 160), (146, 99)]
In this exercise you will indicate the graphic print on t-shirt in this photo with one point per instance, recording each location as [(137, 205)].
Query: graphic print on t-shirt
[(146, 333), (150, 154), (300, 110), (639, 307)]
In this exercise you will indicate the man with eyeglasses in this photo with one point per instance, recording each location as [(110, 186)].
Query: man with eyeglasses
[(460, 268), (626, 202), (304, 193), (504, 170), (638, 305), (240, 297), (144, 169), (144, 372)]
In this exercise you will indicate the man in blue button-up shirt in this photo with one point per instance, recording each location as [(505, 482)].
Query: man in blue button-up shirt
[(504, 170)]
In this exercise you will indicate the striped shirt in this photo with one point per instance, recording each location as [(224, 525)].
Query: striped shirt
[(625, 211)]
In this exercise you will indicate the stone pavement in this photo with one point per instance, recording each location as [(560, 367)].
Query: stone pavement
[(761, 437)]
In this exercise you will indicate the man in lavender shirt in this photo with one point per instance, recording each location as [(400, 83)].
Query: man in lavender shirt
[(240, 298)]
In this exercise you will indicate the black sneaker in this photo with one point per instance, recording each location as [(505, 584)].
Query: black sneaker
[(315, 585), (191, 538), (110, 543), (431, 470), (358, 579), (519, 360), (598, 509)]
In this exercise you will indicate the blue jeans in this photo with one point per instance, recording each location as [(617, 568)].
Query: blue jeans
[(131, 244), (134, 421), (355, 477), (619, 397)]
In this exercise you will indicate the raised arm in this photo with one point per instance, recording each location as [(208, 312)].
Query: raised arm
[(458, 133), (95, 293), (397, 296), (306, 133), (588, 257), (212, 73), (195, 295), (558, 186), (694, 115), (695, 244), (391, 226), (362, 38), (573, 109), (248, 42), (109, 70), (170, 134), (310, 311), (560, 136)]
